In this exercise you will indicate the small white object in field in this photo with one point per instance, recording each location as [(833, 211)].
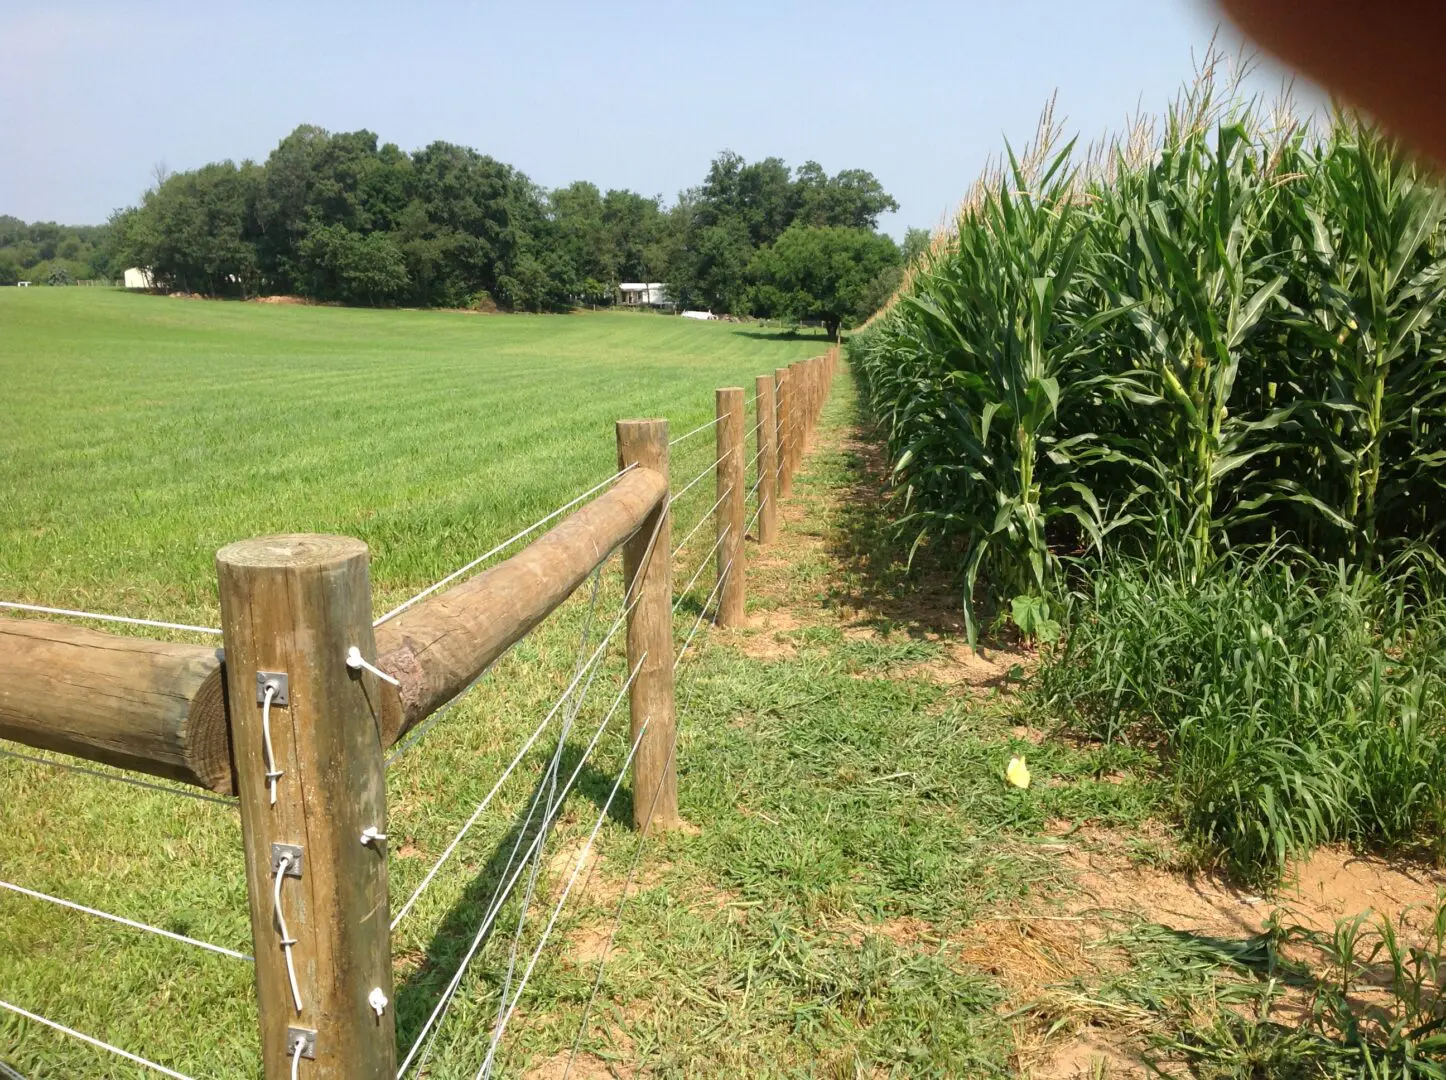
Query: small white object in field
[(1017, 772), (699, 315)]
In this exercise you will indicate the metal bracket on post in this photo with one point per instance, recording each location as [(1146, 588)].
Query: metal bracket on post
[(306, 1037), (279, 684), (291, 852)]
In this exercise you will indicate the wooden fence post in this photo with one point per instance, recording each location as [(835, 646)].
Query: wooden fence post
[(648, 572), (306, 738), (812, 397), (817, 389), (801, 397), (767, 460), (795, 417), (732, 493), (785, 437)]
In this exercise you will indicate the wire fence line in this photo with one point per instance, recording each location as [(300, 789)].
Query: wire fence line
[(549, 785), (507, 772), (696, 431), (73, 906), (120, 778), (686, 589), (548, 799), (480, 559), (504, 888), (508, 998), (699, 621), (486, 1069), (425, 1039), (696, 480), (622, 898), (499, 897), (756, 514), (703, 520), (92, 1041), (629, 603), (632, 866), (12, 605)]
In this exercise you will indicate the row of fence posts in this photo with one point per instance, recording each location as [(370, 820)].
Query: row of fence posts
[(305, 725)]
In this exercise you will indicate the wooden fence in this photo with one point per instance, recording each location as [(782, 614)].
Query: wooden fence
[(294, 714)]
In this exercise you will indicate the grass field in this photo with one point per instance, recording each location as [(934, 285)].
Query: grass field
[(143, 433)]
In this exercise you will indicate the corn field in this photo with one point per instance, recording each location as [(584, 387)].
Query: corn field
[(1216, 334)]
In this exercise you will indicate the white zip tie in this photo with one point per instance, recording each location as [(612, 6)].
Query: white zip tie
[(123, 921), (109, 618), (357, 662), (273, 774), (18, 1011), (287, 941), (455, 574)]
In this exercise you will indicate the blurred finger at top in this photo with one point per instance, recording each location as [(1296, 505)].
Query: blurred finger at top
[(1388, 58)]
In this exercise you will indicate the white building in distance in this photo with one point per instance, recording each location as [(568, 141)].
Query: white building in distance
[(136, 278), (643, 293)]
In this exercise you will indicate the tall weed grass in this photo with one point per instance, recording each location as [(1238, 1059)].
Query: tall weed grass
[(1295, 704)]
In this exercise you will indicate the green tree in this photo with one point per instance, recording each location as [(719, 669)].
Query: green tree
[(639, 235), (916, 242), (196, 231), (853, 198), (580, 237), (826, 273)]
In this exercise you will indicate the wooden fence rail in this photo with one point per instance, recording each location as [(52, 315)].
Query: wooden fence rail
[(281, 718)]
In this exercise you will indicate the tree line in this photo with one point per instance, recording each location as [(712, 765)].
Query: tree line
[(340, 217), (54, 254)]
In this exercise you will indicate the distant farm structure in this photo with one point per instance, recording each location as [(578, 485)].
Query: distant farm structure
[(643, 294), (137, 278)]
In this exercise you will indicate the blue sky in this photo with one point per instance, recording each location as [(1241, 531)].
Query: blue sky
[(638, 95)]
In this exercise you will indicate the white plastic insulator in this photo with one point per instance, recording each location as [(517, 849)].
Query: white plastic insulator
[(378, 1001), (371, 835), (357, 662)]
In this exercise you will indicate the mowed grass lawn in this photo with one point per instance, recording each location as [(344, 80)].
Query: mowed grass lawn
[(143, 433)]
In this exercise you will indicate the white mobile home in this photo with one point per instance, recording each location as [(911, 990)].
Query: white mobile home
[(643, 294)]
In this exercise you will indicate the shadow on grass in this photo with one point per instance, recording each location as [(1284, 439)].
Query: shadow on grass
[(787, 335), (919, 598), (418, 994)]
